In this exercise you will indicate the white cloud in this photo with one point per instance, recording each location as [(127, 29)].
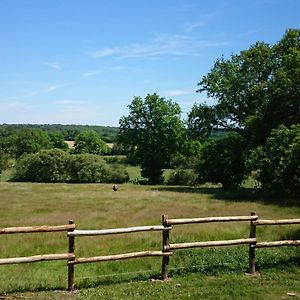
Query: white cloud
[(201, 22), (162, 45), (90, 73), (52, 88), (69, 102), (177, 92), (53, 65), (45, 90)]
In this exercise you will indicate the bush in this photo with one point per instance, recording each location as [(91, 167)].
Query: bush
[(222, 160), (44, 166), (58, 166), (117, 174), (277, 163), (87, 168), (182, 177)]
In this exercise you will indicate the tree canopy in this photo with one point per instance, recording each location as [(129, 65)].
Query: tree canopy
[(152, 132), (89, 142), (255, 91)]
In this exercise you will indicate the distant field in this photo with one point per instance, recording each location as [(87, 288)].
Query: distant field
[(196, 274)]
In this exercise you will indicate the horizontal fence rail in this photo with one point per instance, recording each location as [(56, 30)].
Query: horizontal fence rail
[(210, 244), (35, 258), (117, 230), (210, 220), (277, 222), (166, 251), (277, 244), (32, 229), (119, 257)]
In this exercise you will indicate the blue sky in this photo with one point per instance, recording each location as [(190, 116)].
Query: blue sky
[(83, 61)]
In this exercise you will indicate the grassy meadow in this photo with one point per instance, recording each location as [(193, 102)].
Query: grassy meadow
[(209, 273)]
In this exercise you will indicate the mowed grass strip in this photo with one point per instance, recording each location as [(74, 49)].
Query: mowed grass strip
[(97, 206)]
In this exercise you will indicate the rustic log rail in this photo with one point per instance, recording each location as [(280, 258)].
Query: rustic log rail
[(36, 229), (210, 244), (277, 222), (210, 220), (263, 222), (119, 256), (250, 241), (167, 247), (117, 230), (77, 233), (35, 258)]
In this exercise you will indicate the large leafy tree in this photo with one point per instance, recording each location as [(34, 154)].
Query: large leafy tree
[(255, 91), (27, 141), (89, 142), (152, 133)]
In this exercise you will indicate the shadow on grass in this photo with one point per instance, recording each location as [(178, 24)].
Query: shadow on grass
[(238, 195), (212, 269)]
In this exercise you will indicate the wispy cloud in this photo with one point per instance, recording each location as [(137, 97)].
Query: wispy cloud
[(201, 22), (53, 65), (45, 90), (69, 102), (104, 70), (177, 92), (162, 45)]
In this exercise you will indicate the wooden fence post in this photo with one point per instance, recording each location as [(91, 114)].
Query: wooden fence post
[(71, 266), (165, 240), (252, 249)]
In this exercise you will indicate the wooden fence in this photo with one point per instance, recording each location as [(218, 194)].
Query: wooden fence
[(167, 248)]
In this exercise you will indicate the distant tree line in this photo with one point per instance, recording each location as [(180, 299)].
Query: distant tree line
[(69, 132)]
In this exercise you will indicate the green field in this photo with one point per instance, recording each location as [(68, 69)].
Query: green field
[(210, 273)]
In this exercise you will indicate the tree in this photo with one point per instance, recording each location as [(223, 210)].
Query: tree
[(30, 141), (4, 158), (57, 140), (152, 132), (277, 163), (89, 142), (222, 161), (256, 91)]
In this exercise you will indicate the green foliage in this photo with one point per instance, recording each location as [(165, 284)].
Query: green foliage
[(278, 162), (4, 158), (89, 142), (182, 177), (30, 141), (44, 166), (57, 140), (256, 91), (222, 160), (69, 132), (117, 174), (56, 165), (152, 132), (88, 168)]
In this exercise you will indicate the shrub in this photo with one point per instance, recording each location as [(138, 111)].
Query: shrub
[(182, 177), (278, 162), (222, 160), (93, 168), (44, 166), (117, 174), (87, 168)]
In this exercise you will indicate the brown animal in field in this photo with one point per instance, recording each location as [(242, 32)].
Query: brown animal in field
[(115, 187)]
